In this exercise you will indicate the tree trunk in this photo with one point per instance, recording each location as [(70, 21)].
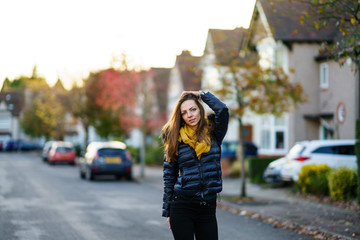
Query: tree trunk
[(142, 154), (145, 110), (240, 157), (86, 137)]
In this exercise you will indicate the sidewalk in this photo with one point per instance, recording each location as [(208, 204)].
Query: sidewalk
[(277, 206)]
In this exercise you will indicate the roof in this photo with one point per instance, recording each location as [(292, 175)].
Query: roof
[(227, 44), (283, 18), (188, 66), (109, 144), (59, 86)]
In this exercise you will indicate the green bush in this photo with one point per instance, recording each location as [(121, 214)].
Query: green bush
[(313, 179), (135, 153), (255, 166), (78, 150), (342, 184), (154, 155), (357, 151)]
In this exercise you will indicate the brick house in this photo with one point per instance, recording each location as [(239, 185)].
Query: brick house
[(332, 91), (221, 49), (184, 76)]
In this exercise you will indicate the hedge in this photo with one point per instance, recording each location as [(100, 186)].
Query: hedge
[(313, 179), (257, 167)]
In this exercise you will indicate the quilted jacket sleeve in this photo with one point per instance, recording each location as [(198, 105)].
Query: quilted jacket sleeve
[(221, 115), (170, 173)]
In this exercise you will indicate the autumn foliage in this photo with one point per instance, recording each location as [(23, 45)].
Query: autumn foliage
[(116, 92)]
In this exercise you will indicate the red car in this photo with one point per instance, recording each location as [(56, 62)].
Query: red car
[(62, 152)]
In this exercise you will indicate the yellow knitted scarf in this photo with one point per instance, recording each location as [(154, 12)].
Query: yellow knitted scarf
[(187, 135)]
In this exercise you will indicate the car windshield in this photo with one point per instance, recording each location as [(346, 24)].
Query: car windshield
[(63, 149), (296, 150), (229, 146), (111, 152)]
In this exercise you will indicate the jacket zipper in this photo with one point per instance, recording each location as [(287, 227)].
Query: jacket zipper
[(201, 179), (201, 173)]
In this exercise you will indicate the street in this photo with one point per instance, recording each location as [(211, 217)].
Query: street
[(39, 201)]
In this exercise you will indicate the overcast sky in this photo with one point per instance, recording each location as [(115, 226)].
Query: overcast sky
[(67, 39)]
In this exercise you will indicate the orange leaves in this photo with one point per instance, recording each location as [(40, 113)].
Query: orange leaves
[(117, 89), (261, 90), (116, 92)]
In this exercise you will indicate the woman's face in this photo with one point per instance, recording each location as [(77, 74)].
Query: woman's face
[(190, 112)]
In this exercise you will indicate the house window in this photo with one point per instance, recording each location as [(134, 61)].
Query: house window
[(324, 75), (273, 134), (281, 59), (279, 140), (265, 139), (265, 134), (324, 133), (280, 126), (4, 122)]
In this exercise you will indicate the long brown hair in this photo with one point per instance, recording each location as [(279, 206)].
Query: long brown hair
[(172, 128)]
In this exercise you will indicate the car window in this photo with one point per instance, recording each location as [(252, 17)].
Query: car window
[(229, 146), (63, 149), (346, 150), (326, 150), (296, 149), (110, 152)]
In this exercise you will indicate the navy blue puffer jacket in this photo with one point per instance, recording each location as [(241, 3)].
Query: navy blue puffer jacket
[(189, 176)]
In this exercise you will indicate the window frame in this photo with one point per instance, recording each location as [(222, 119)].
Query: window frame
[(324, 76)]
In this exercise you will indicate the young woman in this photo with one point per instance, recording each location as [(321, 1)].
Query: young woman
[(192, 172)]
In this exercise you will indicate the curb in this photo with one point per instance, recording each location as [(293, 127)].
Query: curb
[(311, 231)]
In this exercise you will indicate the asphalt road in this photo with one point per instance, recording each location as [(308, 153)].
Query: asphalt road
[(42, 202)]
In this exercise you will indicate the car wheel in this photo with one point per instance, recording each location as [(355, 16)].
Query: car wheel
[(89, 174), (82, 174), (129, 176)]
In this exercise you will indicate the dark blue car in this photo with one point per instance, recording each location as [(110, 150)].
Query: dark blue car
[(228, 149)]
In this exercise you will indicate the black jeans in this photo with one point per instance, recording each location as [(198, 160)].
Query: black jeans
[(192, 217)]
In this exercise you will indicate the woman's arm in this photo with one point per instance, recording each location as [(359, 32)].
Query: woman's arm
[(170, 173), (221, 114)]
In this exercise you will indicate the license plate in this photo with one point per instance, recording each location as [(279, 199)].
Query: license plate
[(64, 156), (113, 159)]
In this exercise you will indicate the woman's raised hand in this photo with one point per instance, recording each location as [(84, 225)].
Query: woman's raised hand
[(195, 93)]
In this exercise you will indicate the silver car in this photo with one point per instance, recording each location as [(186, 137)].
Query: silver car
[(106, 158)]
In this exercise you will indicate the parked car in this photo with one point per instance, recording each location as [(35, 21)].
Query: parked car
[(106, 158), (27, 146), (46, 149), (334, 153), (10, 145), (272, 173), (229, 148), (61, 152)]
